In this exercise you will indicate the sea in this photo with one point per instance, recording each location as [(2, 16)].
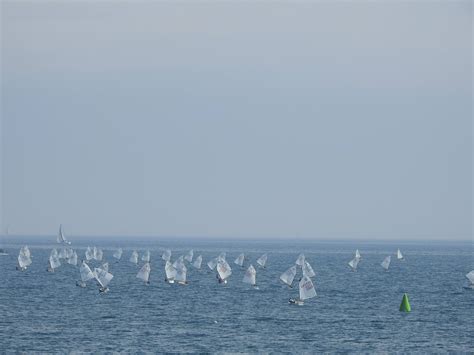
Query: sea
[(353, 312)]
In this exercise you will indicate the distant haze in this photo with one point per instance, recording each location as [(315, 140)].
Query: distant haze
[(238, 119)]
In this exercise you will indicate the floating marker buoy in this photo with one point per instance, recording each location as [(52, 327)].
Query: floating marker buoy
[(405, 305)]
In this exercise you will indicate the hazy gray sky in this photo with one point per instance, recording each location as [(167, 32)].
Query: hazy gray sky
[(238, 119)]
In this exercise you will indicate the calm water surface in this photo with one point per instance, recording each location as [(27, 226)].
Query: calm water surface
[(353, 312)]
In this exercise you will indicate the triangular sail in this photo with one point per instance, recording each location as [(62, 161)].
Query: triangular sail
[(289, 275), (386, 262), (189, 256), (72, 260), (399, 254), (181, 271), (300, 260), (308, 270), (166, 255), (170, 271), (61, 238), (144, 273), (240, 260), (86, 272), (357, 254), (134, 257), (197, 262), (212, 263), (146, 256), (54, 262), (353, 263), (105, 266), (179, 262), (103, 277), (118, 254), (24, 257), (470, 277), (306, 288), (89, 254), (224, 270), (262, 260), (97, 254), (250, 275)]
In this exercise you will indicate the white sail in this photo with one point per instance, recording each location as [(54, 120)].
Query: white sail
[(306, 288), (308, 270), (54, 262), (26, 251), (134, 257), (386, 262), (62, 253), (221, 256), (166, 255), (189, 256), (86, 272), (197, 262), (146, 256), (69, 253), (24, 257), (170, 271), (118, 254), (72, 260), (105, 266), (224, 270), (300, 260), (240, 260), (250, 276), (144, 273), (179, 262), (353, 263), (89, 254), (470, 277), (98, 254), (103, 277), (181, 271), (262, 260), (61, 238), (289, 275), (357, 254), (399, 254), (212, 263)]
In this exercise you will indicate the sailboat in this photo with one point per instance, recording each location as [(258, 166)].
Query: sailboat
[(24, 258), (240, 260), (89, 253), (179, 262), (180, 276), (470, 277), (223, 271), (86, 274), (386, 262), (118, 254), (262, 260), (146, 256), (308, 270), (72, 259), (53, 262), (166, 255), (61, 238), (399, 255), (170, 272), (306, 291), (197, 262), (300, 260), (212, 263), (251, 276), (103, 277), (144, 273), (62, 253), (288, 276), (134, 257), (98, 254), (357, 254), (105, 266), (189, 256), (2, 250), (353, 263), (222, 256)]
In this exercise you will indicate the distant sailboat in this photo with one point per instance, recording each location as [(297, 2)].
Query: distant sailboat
[(288, 276), (470, 277), (103, 277), (24, 258), (62, 253), (179, 262), (166, 255), (86, 274), (105, 266), (72, 259), (144, 273), (386, 262), (308, 270), (353, 263), (170, 272), (98, 254), (189, 256), (357, 254), (146, 256), (134, 257), (197, 262), (300, 260), (180, 276), (212, 263), (53, 261), (223, 271), (118, 254), (251, 276), (89, 253), (61, 238), (262, 260), (306, 291), (240, 260), (399, 255)]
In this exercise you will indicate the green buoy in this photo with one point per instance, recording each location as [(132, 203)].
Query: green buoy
[(405, 305)]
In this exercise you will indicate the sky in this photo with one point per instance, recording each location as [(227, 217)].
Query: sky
[(320, 120)]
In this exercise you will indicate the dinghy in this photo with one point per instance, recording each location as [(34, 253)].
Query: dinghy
[(357, 254), (103, 277), (72, 259), (166, 255), (53, 261), (353, 263), (89, 253), (250, 276), (144, 273), (262, 260), (118, 254), (179, 262), (300, 260), (308, 270), (189, 256), (86, 274), (288, 276), (470, 277), (24, 258), (197, 262), (306, 291), (399, 255), (212, 263), (222, 256), (146, 256), (98, 254), (170, 272), (61, 238), (180, 276), (240, 260), (62, 253), (386, 262), (134, 257), (223, 271), (105, 266)]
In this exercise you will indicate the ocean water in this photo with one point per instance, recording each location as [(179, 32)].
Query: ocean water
[(353, 312)]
